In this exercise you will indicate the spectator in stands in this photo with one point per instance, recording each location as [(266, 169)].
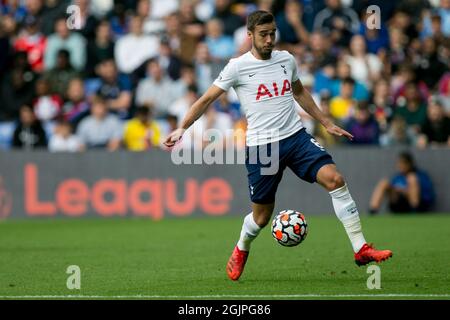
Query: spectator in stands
[(220, 45), (187, 78), (158, 91), (100, 48), (376, 38), (444, 12), (33, 43), (17, 88), (342, 106), (436, 129), (437, 21), (188, 19), (381, 103), (60, 76), (343, 71), (403, 21), (230, 21), (101, 129), (88, 22), (63, 140), (119, 20), (168, 60), (398, 134), (63, 38), (337, 22), (46, 105), (397, 48), (363, 126), (29, 133), (47, 12), (142, 133), (115, 88), (429, 68), (365, 67), (76, 107), (150, 25), (14, 9), (411, 108), (135, 48), (204, 68), (432, 27), (182, 43), (320, 52), (400, 81), (409, 190), (290, 24)]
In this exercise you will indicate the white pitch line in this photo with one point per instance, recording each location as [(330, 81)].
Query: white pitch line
[(389, 295)]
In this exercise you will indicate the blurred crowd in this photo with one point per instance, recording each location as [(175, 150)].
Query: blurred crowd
[(83, 74)]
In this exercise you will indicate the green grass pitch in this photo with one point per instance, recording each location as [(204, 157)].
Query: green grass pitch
[(185, 258)]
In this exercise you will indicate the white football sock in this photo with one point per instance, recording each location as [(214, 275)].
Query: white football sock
[(346, 211), (249, 232)]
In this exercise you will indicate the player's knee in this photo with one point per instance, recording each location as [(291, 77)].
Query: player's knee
[(262, 218), (335, 181)]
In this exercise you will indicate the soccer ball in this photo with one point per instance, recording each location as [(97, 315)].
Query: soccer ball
[(289, 228)]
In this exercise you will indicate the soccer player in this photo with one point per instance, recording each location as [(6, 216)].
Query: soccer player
[(267, 84)]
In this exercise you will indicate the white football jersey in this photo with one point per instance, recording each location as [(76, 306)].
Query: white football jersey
[(264, 88)]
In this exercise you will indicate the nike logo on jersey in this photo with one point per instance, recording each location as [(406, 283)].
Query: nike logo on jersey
[(251, 74), (284, 68)]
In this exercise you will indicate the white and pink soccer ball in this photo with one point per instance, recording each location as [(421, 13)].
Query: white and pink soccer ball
[(289, 228)]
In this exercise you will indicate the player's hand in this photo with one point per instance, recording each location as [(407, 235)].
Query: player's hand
[(174, 137), (338, 131)]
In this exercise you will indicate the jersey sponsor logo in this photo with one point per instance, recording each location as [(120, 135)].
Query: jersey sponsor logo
[(263, 90)]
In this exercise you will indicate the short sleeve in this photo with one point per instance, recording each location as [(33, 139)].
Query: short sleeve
[(294, 69), (228, 77)]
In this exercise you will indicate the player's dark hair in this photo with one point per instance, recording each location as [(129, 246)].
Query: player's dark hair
[(258, 18)]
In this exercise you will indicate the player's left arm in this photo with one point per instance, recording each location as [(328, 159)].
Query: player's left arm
[(304, 99)]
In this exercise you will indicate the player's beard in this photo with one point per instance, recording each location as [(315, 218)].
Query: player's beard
[(263, 51)]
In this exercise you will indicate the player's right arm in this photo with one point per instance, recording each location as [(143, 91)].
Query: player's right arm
[(195, 112)]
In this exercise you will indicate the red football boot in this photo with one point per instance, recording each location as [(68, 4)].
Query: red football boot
[(236, 263), (368, 254)]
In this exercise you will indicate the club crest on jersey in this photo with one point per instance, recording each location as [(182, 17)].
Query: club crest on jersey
[(263, 90)]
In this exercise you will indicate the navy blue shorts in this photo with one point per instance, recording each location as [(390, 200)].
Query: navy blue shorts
[(300, 152)]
